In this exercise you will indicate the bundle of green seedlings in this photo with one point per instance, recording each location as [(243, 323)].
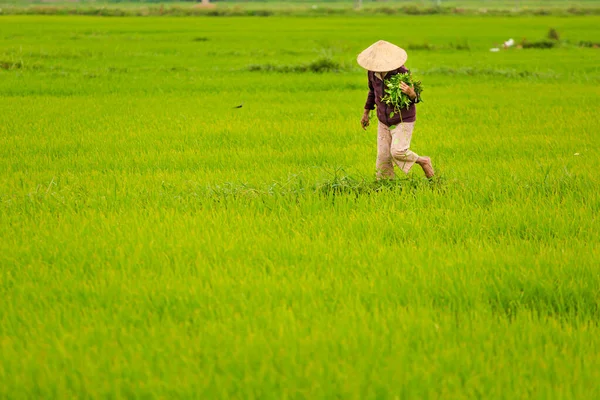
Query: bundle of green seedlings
[(394, 94)]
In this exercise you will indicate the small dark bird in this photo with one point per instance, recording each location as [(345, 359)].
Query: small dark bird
[(240, 106)]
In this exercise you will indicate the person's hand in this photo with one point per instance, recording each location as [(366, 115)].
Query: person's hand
[(364, 122), (408, 90)]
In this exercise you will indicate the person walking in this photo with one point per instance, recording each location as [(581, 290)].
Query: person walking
[(383, 60)]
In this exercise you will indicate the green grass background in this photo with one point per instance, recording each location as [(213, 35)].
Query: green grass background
[(277, 4), (157, 243)]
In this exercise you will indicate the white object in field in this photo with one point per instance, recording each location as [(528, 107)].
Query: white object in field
[(495, 49), (509, 43), (576, 154)]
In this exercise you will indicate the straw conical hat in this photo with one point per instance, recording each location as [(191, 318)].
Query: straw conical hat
[(382, 56)]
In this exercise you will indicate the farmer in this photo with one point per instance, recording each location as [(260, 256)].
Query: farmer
[(382, 60)]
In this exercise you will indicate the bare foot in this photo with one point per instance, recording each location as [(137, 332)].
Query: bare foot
[(425, 163)]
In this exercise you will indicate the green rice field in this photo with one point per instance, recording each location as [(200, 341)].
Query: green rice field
[(157, 242)]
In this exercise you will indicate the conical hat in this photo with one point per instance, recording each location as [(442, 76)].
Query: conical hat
[(382, 56)]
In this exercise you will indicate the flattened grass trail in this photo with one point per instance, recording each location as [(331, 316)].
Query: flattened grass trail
[(155, 242)]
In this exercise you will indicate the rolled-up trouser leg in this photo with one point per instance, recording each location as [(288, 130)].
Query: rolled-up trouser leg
[(400, 149), (385, 163)]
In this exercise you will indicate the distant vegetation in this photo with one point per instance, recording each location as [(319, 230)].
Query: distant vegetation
[(296, 8)]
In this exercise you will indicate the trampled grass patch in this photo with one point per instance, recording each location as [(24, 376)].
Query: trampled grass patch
[(174, 225), (318, 66)]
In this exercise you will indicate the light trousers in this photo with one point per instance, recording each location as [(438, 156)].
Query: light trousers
[(393, 146)]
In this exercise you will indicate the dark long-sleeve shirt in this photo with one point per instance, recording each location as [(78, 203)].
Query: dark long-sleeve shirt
[(377, 91)]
